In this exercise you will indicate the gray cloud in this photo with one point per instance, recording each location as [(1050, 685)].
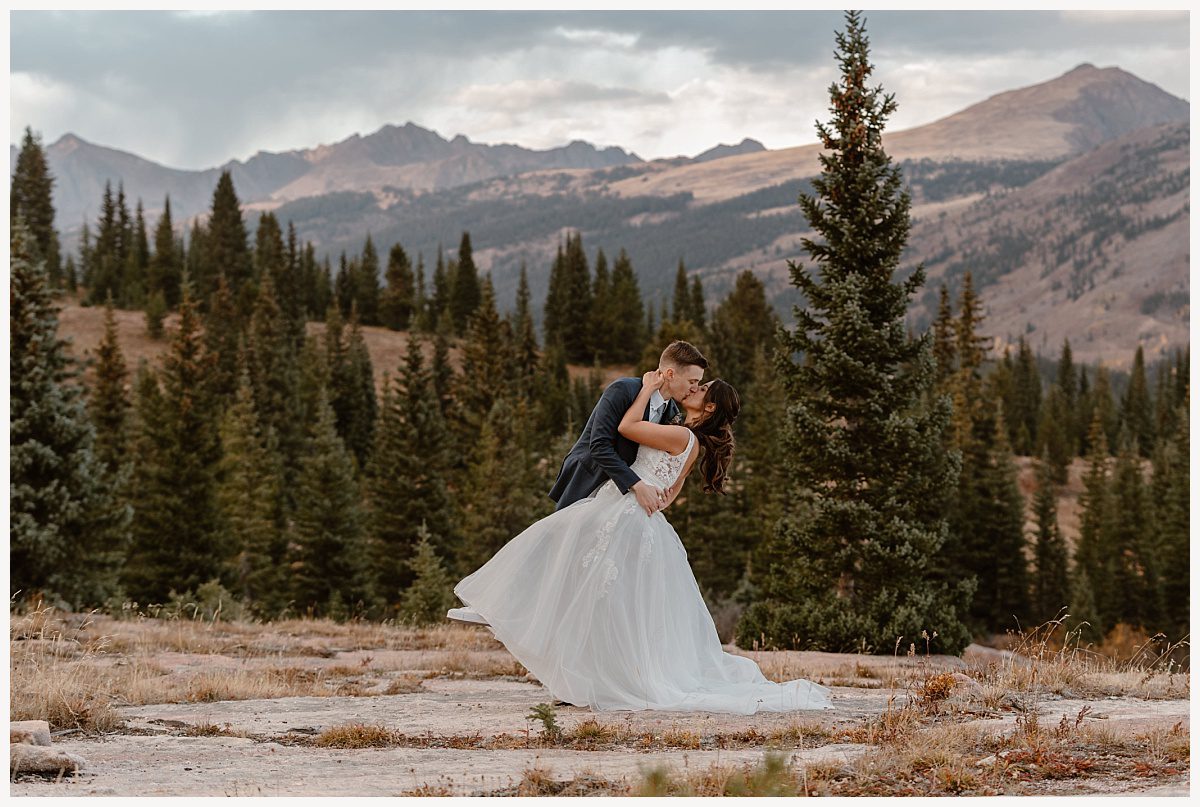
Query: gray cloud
[(195, 90)]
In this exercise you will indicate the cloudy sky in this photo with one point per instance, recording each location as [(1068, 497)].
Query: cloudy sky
[(193, 90)]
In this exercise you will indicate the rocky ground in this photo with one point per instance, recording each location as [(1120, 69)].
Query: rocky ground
[(379, 711)]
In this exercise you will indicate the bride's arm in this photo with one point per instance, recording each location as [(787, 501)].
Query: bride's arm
[(672, 439)]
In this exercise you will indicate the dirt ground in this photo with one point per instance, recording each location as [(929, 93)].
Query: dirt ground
[(452, 712)]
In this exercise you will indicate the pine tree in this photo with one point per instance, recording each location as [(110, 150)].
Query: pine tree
[(70, 275), (103, 268), (603, 325), (325, 554), (165, 273), (554, 392), (525, 346), (501, 496), (440, 301), (175, 526), (365, 282), (625, 301), (67, 529), (1103, 405), (352, 387), (1054, 435), (223, 330), (557, 310), (467, 293), (487, 370), (422, 321), (1002, 598), (343, 285), (431, 594), (1068, 382), (1137, 574), (681, 302), (1136, 413), (1093, 553), (868, 463), (396, 300), (945, 351), (1025, 406), (1172, 497), (226, 249), (577, 341), (1051, 585), (31, 200), (405, 477), (248, 499), (743, 326), (698, 312), (137, 261), (108, 405), (274, 372)]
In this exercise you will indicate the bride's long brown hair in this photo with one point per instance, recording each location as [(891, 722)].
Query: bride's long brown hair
[(715, 435)]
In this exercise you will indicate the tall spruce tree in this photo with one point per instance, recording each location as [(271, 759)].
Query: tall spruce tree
[(625, 301), (603, 325), (405, 477), (175, 526), (699, 313), (743, 326), (31, 200), (1136, 570), (223, 329), (487, 370), (1137, 415), (366, 284), (326, 553), (525, 345), (273, 365), (67, 528), (1094, 560), (1024, 407), (1051, 584), (681, 302), (108, 404), (352, 388), (576, 338), (1172, 499), (165, 272), (248, 500), (945, 351), (853, 568), (396, 302), (226, 249), (501, 496), (467, 293)]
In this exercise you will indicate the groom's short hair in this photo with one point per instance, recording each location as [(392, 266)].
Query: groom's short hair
[(683, 354)]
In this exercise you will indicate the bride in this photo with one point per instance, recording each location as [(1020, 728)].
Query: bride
[(598, 601)]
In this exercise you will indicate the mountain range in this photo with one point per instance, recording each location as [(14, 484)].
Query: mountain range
[(1067, 200)]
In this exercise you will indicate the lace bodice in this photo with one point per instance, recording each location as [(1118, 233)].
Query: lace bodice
[(660, 468)]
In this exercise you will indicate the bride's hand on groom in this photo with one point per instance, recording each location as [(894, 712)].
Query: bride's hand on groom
[(652, 380)]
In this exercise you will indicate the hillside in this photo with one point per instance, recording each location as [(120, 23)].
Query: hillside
[(1067, 200)]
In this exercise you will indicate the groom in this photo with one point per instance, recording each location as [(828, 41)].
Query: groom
[(601, 453)]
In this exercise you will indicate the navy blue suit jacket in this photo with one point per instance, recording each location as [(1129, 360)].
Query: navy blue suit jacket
[(601, 453)]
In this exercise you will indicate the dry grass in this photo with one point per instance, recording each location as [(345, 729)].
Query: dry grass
[(358, 735)]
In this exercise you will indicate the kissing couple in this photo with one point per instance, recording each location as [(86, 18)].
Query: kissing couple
[(597, 599)]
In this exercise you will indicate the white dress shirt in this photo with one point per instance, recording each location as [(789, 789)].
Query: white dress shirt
[(658, 405)]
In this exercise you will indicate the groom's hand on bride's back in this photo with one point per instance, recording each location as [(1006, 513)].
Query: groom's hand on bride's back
[(648, 497)]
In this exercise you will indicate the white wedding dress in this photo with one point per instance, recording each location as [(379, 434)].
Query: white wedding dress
[(598, 601)]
